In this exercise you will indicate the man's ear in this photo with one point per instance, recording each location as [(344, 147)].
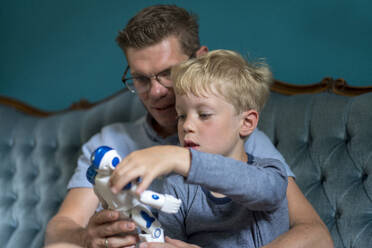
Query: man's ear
[(201, 51), (249, 122)]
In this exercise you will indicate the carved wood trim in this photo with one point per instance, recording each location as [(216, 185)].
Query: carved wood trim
[(338, 86), (28, 109)]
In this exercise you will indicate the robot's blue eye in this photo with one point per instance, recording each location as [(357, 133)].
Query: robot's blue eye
[(155, 197), (115, 161), (128, 186)]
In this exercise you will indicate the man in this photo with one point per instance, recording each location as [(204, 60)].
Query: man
[(154, 40)]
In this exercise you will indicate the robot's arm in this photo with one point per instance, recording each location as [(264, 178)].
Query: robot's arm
[(166, 203)]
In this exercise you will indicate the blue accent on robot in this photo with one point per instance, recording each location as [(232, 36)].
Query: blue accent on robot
[(91, 174), (149, 220), (115, 161), (98, 155)]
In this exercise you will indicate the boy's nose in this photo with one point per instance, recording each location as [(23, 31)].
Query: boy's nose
[(188, 125)]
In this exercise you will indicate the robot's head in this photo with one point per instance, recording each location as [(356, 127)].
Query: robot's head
[(103, 157)]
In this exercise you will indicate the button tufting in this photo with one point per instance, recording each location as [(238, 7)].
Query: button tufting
[(364, 176), (323, 178), (338, 214)]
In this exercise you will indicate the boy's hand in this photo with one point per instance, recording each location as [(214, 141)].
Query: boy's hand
[(148, 164)]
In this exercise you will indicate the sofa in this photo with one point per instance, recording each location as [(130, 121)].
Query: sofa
[(323, 130)]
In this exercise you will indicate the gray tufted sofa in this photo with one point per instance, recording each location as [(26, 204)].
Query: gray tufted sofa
[(326, 139)]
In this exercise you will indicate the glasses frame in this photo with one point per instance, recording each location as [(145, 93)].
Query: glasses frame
[(125, 80)]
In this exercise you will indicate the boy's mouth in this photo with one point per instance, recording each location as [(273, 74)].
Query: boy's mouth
[(190, 144)]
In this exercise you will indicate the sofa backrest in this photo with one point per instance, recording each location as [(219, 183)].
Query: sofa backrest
[(325, 138), (327, 141), (37, 158)]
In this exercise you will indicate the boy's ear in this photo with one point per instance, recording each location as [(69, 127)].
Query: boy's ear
[(249, 122), (201, 51)]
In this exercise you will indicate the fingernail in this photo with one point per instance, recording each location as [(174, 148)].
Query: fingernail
[(113, 190), (143, 245), (130, 225)]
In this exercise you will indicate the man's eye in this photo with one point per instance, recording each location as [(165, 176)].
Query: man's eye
[(181, 117), (165, 74), (141, 80)]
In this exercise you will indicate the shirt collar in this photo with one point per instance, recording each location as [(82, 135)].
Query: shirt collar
[(170, 140)]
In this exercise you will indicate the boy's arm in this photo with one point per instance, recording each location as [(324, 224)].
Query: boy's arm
[(148, 164), (258, 186)]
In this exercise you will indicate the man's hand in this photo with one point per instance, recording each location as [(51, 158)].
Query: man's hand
[(169, 243), (148, 164), (106, 225)]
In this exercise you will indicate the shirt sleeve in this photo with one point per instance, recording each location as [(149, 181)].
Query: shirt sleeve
[(259, 145), (260, 186)]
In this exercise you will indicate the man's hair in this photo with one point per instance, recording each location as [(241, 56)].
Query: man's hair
[(245, 85), (155, 23)]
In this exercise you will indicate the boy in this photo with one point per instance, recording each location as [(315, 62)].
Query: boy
[(218, 100)]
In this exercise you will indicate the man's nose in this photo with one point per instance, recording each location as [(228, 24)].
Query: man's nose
[(156, 88)]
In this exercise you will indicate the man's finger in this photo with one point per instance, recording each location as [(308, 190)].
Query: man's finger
[(105, 216), (115, 228)]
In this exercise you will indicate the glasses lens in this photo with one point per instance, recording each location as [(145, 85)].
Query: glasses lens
[(142, 84), (130, 85), (164, 78)]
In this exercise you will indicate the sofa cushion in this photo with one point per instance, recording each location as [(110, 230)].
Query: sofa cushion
[(38, 156), (327, 141), (325, 138)]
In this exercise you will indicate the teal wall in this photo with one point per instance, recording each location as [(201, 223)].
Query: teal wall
[(54, 53)]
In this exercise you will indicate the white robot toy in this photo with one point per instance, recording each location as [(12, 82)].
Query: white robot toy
[(131, 206)]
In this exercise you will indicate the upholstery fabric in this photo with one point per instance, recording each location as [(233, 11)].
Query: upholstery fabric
[(38, 157), (325, 138), (327, 141)]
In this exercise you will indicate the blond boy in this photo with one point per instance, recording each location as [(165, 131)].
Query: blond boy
[(218, 100)]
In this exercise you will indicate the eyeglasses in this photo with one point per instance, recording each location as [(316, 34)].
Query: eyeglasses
[(141, 84)]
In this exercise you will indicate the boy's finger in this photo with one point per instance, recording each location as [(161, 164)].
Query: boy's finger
[(144, 184)]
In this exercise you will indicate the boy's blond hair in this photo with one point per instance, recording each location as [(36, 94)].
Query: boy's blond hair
[(246, 86)]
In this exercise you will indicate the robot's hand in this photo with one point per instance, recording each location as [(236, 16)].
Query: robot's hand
[(171, 204)]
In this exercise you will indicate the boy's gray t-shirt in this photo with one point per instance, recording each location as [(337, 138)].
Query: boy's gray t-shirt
[(254, 213), (131, 136)]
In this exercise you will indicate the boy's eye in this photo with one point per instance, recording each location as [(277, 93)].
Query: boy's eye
[(204, 116)]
